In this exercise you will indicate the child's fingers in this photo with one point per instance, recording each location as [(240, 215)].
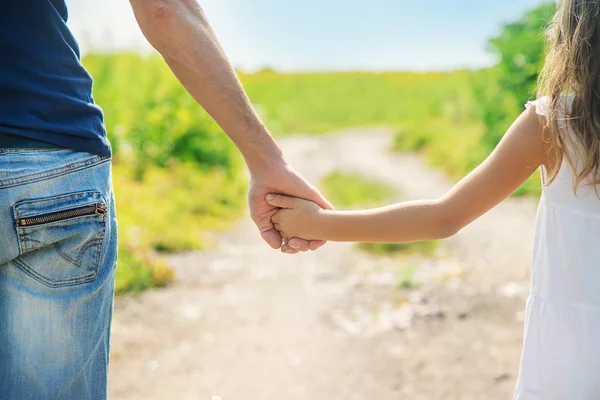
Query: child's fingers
[(276, 218), (281, 201)]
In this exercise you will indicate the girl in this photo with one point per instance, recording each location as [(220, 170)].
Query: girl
[(561, 133)]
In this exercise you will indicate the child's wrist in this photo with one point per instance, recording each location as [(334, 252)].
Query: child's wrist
[(323, 222)]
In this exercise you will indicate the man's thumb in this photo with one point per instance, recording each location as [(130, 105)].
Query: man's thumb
[(320, 200), (278, 200)]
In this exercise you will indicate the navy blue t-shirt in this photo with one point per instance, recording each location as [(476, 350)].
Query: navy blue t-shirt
[(45, 92)]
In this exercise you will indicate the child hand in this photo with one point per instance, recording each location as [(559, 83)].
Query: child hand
[(297, 218)]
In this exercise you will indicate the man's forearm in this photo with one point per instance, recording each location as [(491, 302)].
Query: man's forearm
[(178, 29)]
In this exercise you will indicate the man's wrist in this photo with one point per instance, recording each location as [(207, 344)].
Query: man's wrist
[(264, 162), (261, 152)]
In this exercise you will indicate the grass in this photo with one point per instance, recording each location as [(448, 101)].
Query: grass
[(169, 211), (426, 248), (138, 270), (454, 148), (405, 276), (346, 191)]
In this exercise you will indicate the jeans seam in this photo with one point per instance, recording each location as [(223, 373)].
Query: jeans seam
[(20, 234), (65, 256), (28, 150), (24, 239), (74, 166), (76, 194), (98, 252), (53, 284), (23, 242), (96, 241)]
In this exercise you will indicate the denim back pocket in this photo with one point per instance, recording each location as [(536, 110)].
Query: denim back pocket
[(61, 237)]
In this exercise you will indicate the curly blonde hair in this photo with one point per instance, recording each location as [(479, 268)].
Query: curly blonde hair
[(573, 68)]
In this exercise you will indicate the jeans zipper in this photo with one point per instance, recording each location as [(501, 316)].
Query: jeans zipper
[(98, 209)]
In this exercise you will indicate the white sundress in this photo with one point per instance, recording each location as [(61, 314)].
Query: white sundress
[(561, 347)]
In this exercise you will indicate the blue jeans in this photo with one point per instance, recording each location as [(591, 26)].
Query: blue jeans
[(58, 252)]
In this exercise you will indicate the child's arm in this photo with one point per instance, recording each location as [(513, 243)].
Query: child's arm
[(517, 156)]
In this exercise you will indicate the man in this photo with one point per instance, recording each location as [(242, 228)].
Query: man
[(58, 227)]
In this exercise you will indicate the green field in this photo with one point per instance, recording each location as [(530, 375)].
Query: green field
[(325, 102), (347, 191)]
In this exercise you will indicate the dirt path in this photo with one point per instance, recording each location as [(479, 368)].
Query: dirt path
[(247, 323)]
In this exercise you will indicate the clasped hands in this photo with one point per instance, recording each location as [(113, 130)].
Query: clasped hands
[(277, 207), (296, 218)]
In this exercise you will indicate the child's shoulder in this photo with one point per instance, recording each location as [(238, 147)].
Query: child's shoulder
[(543, 105)]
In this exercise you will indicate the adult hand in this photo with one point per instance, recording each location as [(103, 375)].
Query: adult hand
[(281, 178)]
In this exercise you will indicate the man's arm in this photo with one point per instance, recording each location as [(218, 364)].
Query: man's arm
[(180, 32)]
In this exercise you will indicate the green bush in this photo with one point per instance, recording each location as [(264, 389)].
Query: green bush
[(151, 119), (502, 91), (169, 211), (498, 97)]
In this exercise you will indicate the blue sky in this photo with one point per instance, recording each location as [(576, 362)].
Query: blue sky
[(325, 34)]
